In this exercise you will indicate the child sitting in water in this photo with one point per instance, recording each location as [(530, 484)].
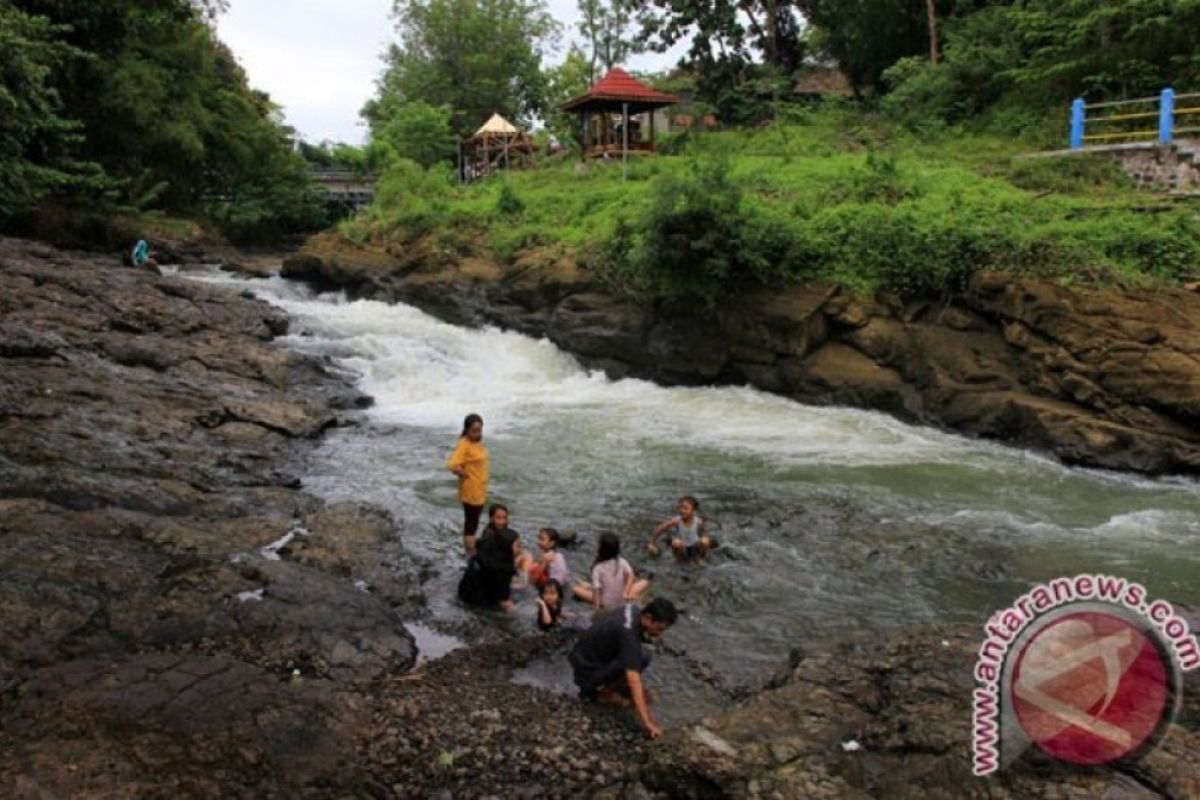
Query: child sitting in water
[(613, 580), (549, 605), (551, 566), (689, 537)]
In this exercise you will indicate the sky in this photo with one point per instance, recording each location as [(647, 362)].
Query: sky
[(319, 58)]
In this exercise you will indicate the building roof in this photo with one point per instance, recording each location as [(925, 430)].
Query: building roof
[(616, 88), (823, 80), (497, 126)]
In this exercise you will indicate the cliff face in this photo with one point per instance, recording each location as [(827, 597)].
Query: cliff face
[(1102, 378)]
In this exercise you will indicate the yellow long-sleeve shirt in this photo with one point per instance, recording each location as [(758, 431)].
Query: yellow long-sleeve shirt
[(473, 458)]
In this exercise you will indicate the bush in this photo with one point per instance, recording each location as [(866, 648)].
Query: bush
[(507, 202), (696, 239)]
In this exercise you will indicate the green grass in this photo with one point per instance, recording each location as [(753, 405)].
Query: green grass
[(828, 195)]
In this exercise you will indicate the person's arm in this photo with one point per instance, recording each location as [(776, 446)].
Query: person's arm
[(596, 588), (544, 612), (638, 693), (458, 459), (661, 529)]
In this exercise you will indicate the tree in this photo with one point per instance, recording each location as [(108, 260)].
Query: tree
[(417, 131), (568, 80), (726, 36), (866, 37), (931, 13), (476, 56), (36, 138), (607, 30), (163, 109)]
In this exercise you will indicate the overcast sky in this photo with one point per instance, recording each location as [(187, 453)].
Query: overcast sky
[(319, 58)]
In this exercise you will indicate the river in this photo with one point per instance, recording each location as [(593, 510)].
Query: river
[(831, 519)]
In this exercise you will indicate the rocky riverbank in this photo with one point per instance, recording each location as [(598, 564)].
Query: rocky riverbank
[(1099, 377), (180, 618)]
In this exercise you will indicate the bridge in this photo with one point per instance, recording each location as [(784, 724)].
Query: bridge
[(345, 187)]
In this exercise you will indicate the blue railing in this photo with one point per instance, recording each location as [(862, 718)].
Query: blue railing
[(1131, 121)]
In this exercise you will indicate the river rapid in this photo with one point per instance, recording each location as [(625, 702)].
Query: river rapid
[(832, 520)]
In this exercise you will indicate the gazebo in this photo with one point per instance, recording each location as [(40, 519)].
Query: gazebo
[(496, 145), (610, 115)]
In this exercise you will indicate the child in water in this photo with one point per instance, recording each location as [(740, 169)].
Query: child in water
[(549, 605), (689, 537), (613, 580), (551, 566)]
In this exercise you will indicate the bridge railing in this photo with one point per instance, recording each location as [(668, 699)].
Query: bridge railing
[(1140, 120)]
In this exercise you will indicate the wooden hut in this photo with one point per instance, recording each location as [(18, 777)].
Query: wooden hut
[(497, 145), (616, 115)]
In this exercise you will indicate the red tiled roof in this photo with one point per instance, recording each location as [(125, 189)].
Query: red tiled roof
[(620, 86)]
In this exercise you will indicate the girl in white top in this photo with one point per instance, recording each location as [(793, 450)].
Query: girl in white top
[(613, 580), (689, 538)]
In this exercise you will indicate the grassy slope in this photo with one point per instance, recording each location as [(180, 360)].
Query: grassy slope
[(850, 198)]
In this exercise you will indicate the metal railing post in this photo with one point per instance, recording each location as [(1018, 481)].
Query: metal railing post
[(1166, 117), (1077, 123)]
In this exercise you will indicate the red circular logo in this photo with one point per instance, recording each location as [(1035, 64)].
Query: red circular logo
[(1090, 688)]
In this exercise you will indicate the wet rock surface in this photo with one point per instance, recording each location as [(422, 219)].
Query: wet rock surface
[(182, 620), (863, 718), (179, 619), (1099, 377)]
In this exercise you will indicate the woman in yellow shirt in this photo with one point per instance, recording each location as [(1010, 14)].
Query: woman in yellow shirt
[(470, 463)]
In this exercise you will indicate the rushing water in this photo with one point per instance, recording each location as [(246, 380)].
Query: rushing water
[(831, 518)]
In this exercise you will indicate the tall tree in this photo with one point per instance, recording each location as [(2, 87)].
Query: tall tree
[(727, 37), (607, 29), (564, 82), (164, 109), (476, 56), (866, 37)]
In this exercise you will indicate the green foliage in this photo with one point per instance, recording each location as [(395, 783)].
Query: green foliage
[(1040, 54), (605, 26), (696, 239), (507, 203), (37, 140), (818, 198), (137, 105), (417, 131), (1079, 173), (564, 82), (865, 37), (476, 56)]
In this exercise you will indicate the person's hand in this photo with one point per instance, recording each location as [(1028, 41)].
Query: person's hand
[(653, 731), (652, 548)]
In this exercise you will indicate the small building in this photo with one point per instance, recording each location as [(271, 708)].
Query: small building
[(616, 115), (498, 144)]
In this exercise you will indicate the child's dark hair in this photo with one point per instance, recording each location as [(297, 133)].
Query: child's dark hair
[(496, 507), (470, 420), (556, 609), (557, 587), (687, 498), (609, 548), (552, 535)]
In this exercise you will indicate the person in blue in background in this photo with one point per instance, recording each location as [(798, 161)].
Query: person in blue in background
[(140, 256)]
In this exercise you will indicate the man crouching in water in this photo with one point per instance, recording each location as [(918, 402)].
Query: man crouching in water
[(608, 658)]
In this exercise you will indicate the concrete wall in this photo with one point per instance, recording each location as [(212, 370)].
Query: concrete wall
[(1174, 168)]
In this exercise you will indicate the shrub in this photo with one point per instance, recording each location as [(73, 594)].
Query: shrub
[(507, 202)]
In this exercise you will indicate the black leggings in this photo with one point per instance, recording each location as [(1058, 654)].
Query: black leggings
[(471, 515), (591, 681)]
